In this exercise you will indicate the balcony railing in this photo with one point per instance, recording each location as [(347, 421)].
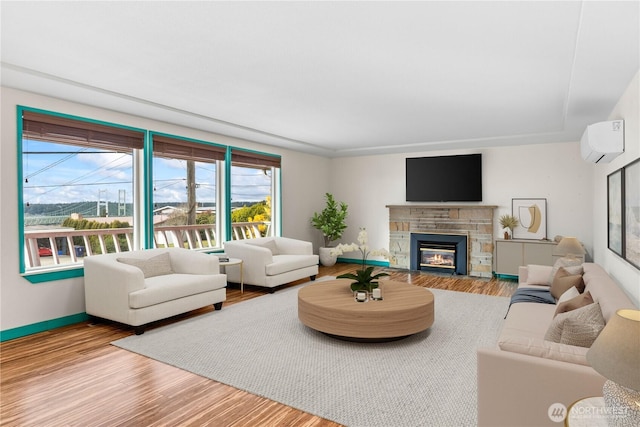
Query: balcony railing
[(69, 246)]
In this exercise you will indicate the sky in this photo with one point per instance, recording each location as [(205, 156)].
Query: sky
[(60, 173)]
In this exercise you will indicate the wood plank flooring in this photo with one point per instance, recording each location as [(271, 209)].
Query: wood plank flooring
[(72, 376)]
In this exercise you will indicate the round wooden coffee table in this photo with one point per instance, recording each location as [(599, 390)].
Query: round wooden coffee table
[(330, 307)]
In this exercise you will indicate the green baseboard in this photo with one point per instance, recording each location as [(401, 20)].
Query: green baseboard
[(359, 261), (47, 325), (507, 277)]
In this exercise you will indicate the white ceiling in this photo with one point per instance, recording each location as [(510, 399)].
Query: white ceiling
[(335, 78)]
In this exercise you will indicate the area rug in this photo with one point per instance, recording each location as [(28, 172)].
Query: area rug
[(261, 347)]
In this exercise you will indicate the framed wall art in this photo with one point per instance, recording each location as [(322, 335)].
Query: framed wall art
[(623, 215), (631, 223), (614, 211), (532, 218)]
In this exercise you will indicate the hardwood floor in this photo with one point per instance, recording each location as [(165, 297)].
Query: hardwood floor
[(72, 376)]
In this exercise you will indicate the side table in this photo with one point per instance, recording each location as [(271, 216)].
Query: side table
[(232, 262), (587, 412)]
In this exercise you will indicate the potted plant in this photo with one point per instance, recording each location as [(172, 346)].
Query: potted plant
[(510, 222), (331, 222), (364, 277)]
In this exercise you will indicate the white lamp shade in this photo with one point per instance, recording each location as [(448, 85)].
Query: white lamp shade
[(569, 246), (615, 354)]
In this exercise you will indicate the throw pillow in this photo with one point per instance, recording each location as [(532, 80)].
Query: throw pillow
[(579, 327), (565, 262), (563, 281), (579, 301), (572, 292), (574, 269), (158, 265), (269, 244), (580, 334), (538, 275)]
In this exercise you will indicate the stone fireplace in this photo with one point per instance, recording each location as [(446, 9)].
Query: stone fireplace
[(410, 223), (446, 253)]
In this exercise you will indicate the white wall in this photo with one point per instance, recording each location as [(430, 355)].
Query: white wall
[(575, 191), (555, 172), (627, 109), (304, 182)]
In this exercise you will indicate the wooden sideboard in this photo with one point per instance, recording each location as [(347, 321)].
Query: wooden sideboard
[(511, 254)]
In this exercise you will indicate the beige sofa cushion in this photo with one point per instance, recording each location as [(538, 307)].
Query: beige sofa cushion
[(580, 300), (543, 275), (160, 289), (158, 265), (563, 281), (528, 320), (524, 331), (546, 349), (581, 334), (285, 263), (605, 291), (538, 275), (568, 295), (574, 263), (269, 244), (579, 327)]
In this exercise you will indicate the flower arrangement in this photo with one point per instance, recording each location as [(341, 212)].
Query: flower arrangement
[(508, 221), (364, 280)]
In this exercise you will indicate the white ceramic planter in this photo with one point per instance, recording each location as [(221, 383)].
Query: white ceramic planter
[(326, 258)]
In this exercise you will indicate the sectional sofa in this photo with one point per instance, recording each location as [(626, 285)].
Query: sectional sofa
[(524, 374)]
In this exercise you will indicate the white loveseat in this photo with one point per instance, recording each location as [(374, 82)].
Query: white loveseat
[(272, 261), (525, 374), (139, 287)]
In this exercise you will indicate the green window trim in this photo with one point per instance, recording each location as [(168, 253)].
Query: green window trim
[(53, 275), (20, 112), (208, 151), (75, 270)]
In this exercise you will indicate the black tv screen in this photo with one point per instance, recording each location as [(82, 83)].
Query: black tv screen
[(444, 178)]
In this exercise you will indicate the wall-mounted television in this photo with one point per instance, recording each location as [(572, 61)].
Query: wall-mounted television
[(444, 178)]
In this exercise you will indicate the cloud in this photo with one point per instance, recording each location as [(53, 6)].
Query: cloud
[(67, 174)]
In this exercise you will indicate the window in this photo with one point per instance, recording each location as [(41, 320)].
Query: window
[(90, 187), (186, 199), (75, 175), (254, 187)]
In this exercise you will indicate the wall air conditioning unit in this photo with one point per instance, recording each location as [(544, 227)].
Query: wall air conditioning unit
[(603, 142)]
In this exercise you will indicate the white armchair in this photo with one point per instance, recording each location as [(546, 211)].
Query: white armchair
[(272, 261), (139, 287)]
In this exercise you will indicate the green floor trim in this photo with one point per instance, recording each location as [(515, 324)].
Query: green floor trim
[(359, 261), (47, 325), (506, 277)]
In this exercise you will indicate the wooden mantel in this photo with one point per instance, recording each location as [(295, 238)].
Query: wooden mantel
[(444, 206)]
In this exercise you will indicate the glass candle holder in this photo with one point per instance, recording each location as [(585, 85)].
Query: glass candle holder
[(361, 296)]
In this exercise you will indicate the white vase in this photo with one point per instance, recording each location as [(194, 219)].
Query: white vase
[(326, 258)]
